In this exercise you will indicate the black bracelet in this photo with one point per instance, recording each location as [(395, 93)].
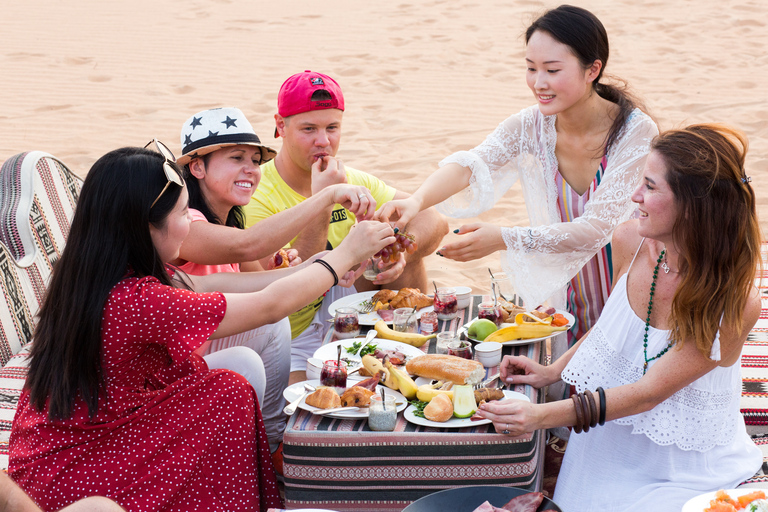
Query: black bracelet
[(330, 269), (601, 392)]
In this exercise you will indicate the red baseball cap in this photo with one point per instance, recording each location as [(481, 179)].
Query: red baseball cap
[(296, 94)]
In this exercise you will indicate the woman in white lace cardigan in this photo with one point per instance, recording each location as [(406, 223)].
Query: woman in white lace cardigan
[(663, 359), (577, 153)]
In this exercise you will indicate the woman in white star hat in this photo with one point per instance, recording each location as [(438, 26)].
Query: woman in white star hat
[(221, 154)]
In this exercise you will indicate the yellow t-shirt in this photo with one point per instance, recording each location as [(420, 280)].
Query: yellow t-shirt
[(273, 195)]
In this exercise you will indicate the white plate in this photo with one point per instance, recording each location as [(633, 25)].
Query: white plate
[(293, 392), (457, 422), (356, 299), (329, 351), (510, 343), (700, 502)]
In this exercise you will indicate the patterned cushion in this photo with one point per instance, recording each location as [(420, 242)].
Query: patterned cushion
[(37, 201)]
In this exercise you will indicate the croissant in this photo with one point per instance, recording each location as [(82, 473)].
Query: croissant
[(410, 298), (356, 396), (383, 296), (324, 398)]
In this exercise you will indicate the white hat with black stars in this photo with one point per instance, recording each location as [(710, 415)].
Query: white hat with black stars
[(212, 129)]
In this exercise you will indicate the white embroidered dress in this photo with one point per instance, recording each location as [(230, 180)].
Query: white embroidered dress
[(543, 258), (693, 442)]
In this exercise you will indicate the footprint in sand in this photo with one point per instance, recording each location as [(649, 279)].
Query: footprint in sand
[(78, 61), (183, 89), (48, 108)]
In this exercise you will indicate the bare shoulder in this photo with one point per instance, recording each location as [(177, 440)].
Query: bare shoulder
[(624, 244), (752, 309)]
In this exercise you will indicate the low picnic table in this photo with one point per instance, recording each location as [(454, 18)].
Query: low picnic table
[(340, 464)]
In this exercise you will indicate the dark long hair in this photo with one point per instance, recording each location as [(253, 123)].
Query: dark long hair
[(717, 231), (108, 236), (585, 35), (236, 216)]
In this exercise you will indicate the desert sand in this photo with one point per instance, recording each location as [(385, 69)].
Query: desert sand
[(421, 80)]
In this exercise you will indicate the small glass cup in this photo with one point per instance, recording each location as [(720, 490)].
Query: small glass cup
[(502, 284), (446, 303), (405, 320), (460, 348), (334, 375), (372, 269), (382, 415), (346, 323), (428, 322), (490, 312), (444, 340)]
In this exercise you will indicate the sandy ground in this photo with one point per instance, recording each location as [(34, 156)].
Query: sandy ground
[(421, 79)]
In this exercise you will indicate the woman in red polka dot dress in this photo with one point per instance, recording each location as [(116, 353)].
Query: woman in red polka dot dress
[(117, 402)]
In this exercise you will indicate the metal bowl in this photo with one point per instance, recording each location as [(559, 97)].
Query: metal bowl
[(467, 499)]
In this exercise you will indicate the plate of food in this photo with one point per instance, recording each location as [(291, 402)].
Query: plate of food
[(399, 353), (387, 301), (482, 498), (524, 327), (742, 497), (414, 415), (324, 399)]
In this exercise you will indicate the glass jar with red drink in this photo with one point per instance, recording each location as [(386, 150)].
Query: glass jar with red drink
[(460, 348), (491, 312), (446, 304), (334, 375), (346, 323)]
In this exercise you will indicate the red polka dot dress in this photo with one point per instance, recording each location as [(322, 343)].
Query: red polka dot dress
[(169, 435)]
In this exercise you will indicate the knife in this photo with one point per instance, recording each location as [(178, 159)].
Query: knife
[(335, 409)]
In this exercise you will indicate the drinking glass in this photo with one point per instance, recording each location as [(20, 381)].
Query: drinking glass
[(502, 284), (444, 339), (346, 323), (405, 320)]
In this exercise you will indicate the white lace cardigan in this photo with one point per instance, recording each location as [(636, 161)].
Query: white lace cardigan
[(543, 258)]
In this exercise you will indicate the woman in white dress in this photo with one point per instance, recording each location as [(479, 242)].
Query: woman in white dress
[(663, 359), (578, 154)]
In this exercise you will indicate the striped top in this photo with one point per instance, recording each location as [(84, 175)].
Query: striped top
[(589, 289)]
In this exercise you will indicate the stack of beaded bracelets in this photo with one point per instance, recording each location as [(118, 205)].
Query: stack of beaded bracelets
[(586, 410)]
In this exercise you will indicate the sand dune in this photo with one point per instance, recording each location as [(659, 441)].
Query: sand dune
[(421, 79)]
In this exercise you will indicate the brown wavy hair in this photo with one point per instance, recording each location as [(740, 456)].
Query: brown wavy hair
[(717, 230)]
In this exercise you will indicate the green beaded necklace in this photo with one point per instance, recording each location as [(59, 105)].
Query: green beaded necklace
[(648, 320)]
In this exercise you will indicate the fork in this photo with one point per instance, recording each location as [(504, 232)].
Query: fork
[(365, 307), (486, 383)]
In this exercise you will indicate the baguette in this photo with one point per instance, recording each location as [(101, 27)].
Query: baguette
[(444, 367)]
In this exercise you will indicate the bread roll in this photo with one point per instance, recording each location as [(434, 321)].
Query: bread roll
[(444, 367), (439, 408), (324, 398)]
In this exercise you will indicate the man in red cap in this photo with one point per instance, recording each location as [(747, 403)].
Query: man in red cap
[(310, 108)]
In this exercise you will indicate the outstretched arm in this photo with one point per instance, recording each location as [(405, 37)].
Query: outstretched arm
[(214, 244)]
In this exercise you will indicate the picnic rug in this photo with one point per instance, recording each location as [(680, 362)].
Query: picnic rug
[(754, 359)]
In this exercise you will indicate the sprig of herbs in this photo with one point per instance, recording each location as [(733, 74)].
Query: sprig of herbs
[(369, 349), (419, 407)]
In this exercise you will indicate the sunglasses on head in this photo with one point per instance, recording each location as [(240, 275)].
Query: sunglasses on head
[(170, 172)]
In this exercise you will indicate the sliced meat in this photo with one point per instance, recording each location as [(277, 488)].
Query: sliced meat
[(386, 314), (485, 507), (525, 502), (369, 384)]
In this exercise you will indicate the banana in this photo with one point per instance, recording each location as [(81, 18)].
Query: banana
[(374, 367), (427, 392), (405, 382), (524, 331), (417, 340)]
